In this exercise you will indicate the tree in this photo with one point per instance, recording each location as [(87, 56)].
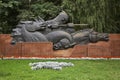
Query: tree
[(102, 15), (8, 15)]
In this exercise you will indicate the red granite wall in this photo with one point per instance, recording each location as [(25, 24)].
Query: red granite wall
[(4, 40), (99, 49), (80, 51), (44, 49), (115, 45), (1, 47)]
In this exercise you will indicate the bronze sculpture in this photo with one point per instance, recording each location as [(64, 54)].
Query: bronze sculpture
[(57, 30)]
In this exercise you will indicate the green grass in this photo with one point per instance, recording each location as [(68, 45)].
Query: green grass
[(83, 70)]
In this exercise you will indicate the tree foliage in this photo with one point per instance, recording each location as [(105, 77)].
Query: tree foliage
[(102, 15)]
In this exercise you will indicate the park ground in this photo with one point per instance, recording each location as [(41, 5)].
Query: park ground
[(83, 70)]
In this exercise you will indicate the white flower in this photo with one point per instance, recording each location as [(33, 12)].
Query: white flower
[(50, 65)]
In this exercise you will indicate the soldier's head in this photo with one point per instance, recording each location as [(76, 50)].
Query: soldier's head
[(62, 17), (16, 35), (96, 36)]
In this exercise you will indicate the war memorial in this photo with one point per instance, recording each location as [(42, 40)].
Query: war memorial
[(57, 38)]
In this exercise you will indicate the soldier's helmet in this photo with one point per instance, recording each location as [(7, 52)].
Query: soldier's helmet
[(62, 17)]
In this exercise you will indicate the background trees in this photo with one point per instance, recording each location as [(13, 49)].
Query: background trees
[(102, 15)]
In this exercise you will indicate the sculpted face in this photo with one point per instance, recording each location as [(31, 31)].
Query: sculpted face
[(95, 36), (16, 34)]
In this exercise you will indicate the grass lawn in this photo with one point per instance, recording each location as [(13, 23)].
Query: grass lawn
[(83, 70)]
